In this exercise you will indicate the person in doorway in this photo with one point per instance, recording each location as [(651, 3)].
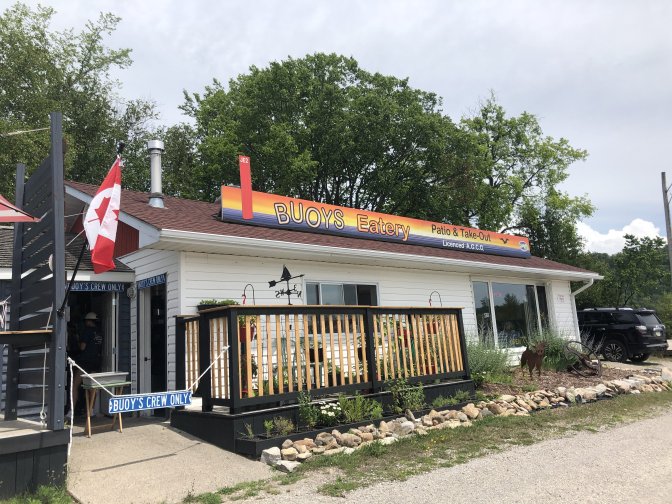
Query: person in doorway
[(90, 353)]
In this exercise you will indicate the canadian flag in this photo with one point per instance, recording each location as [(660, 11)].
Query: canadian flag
[(100, 222)]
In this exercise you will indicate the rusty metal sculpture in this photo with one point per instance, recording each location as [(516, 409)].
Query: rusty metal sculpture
[(583, 359)]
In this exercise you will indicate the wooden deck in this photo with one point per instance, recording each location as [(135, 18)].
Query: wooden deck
[(30, 456)]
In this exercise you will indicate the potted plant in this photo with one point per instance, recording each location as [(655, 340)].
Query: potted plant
[(204, 304), (243, 374), (242, 327)]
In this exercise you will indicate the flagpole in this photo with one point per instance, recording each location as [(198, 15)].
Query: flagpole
[(61, 310)]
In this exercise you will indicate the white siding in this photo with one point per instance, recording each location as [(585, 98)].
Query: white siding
[(148, 263), (562, 302), (208, 276)]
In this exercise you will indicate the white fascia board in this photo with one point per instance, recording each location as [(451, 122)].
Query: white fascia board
[(108, 276), (148, 234), (176, 239), (5, 274)]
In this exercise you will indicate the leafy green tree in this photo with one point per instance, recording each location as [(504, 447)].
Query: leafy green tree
[(321, 128), (521, 170), (44, 70), (637, 276)]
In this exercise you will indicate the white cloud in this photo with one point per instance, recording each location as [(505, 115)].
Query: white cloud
[(613, 241)]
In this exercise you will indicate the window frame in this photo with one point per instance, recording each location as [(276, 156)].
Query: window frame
[(320, 283), (489, 281)]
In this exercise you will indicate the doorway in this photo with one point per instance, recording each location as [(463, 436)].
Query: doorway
[(153, 342)]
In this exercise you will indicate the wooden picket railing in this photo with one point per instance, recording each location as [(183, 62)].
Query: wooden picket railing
[(280, 351)]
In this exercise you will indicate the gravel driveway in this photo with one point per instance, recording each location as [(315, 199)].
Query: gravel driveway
[(628, 464)]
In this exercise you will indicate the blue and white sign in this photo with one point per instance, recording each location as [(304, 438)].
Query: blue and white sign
[(139, 402), (146, 283), (98, 287)]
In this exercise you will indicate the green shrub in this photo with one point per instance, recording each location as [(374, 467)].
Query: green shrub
[(405, 396), (268, 427), (283, 426), (554, 356), (359, 408), (486, 359), (308, 412)]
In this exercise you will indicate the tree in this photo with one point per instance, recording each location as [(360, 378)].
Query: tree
[(637, 276), (321, 128), (42, 70), (514, 181)]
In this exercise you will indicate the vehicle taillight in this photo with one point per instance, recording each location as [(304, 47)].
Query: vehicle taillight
[(641, 328)]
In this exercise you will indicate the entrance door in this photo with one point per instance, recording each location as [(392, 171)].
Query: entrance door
[(153, 355)]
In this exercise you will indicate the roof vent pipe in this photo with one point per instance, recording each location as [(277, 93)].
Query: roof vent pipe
[(155, 148)]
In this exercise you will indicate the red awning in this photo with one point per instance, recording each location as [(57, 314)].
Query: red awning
[(9, 213)]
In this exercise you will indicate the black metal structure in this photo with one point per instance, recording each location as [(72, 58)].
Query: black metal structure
[(37, 334)]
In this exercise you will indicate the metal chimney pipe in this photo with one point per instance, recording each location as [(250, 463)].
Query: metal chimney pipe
[(155, 149)]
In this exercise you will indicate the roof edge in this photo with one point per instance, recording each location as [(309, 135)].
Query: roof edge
[(175, 235)]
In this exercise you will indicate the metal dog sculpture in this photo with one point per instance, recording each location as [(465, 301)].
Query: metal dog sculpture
[(533, 358)]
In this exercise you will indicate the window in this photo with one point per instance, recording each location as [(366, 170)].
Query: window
[(518, 311), (483, 320), (341, 294)]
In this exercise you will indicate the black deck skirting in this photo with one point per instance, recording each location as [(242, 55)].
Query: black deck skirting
[(33, 459)]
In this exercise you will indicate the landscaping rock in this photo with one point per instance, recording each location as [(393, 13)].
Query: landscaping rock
[(349, 451), (366, 436), (635, 391), (600, 389), (485, 412), (420, 431), (404, 428), (471, 411), (622, 386), (331, 445), (287, 466), (462, 417), (508, 398), (301, 457), (323, 439), (496, 408), (570, 396), (450, 415), (318, 450), (388, 441), (288, 443), (334, 451), (383, 428), (350, 440), (289, 454), (427, 421), (271, 456), (301, 449), (409, 415), (337, 436), (307, 442), (666, 374)]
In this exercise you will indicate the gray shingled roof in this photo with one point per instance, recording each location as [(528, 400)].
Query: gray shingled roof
[(71, 252), (201, 217)]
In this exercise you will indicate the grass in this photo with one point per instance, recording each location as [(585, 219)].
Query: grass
[(375, 463), (43, 495)]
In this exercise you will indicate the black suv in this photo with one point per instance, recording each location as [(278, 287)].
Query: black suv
[(623, 333)]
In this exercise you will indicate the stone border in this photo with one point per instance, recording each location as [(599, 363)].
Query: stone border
[(288, 457)]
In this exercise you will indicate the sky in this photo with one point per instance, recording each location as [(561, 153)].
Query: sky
[(598, 73)]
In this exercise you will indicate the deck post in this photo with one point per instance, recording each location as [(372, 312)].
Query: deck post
[(463, 344), (180, 353), (234, 371), (205, 383), (371, 352)]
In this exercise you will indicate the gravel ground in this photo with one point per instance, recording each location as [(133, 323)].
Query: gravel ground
[(628, 464)]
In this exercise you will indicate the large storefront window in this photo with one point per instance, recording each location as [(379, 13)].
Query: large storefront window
[(341, 294), (514, 308)]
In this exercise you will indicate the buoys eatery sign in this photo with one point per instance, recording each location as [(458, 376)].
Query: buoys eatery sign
[(270, 210)]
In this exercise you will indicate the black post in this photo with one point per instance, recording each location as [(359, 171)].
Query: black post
[(180, 353), (376, 385), (56, 387), (13, 356), (61, 310), (232, 333), (463, 344), (204, 384)]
